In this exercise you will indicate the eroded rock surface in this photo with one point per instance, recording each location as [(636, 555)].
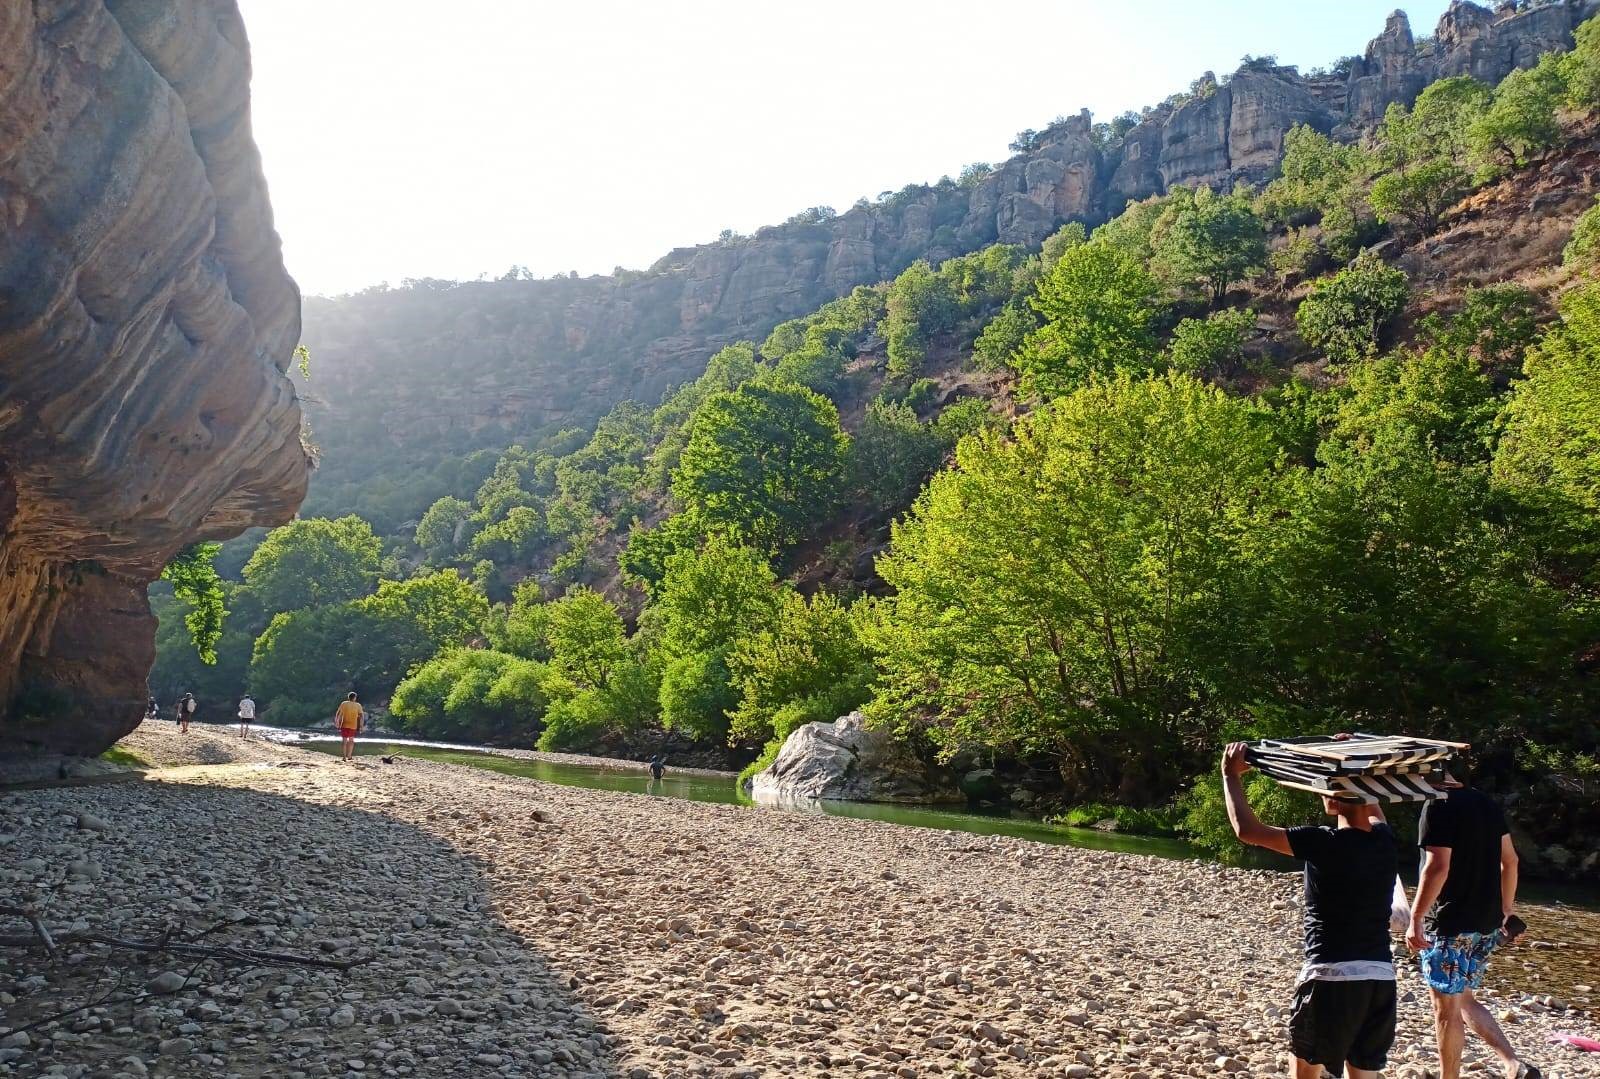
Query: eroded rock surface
[(146, 322), (848, 761)]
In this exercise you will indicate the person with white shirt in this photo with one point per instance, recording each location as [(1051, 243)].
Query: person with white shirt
[(247, 715)]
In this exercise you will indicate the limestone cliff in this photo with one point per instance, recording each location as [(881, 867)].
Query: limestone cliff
[(438, 368), (146, 321)]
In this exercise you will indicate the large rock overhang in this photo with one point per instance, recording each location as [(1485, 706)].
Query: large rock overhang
[(146, 325)]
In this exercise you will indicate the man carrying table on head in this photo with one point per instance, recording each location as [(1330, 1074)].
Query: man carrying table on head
[(1344, 1005)]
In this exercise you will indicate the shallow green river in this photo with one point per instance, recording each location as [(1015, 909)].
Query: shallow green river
[(699, 787)]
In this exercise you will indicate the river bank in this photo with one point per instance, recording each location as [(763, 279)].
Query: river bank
[(519, 928)]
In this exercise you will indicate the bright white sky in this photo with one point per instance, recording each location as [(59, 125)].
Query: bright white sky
[(453, 138)]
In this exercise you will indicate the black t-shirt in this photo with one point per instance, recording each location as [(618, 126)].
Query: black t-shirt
[(1470, 824), (1349, 884)]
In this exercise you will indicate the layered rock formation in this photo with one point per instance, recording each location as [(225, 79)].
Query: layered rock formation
[(483, 363), (847, 761), (146, 322)]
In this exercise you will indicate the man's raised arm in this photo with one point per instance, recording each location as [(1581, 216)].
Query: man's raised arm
[(1246, 825)]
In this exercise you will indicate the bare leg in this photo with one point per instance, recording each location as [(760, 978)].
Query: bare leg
[(1304, 1069), (1359, 1073), (1484, 1025), (1450, 1029)]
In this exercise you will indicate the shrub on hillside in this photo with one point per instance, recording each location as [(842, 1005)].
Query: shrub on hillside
[(1583, 250), (1345, 314)]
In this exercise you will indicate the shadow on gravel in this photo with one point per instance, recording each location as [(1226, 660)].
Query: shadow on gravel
[(446, 988)]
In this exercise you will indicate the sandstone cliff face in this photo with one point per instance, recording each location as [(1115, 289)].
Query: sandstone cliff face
[(495, 361), (146, 321)]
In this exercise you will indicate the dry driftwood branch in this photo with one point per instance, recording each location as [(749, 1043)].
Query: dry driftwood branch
[(166, 944), (41, 931)]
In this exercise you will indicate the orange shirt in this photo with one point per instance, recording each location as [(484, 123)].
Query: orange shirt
[(348, 718)]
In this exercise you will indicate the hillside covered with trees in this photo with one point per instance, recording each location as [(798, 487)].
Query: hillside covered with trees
[(1314, 452)]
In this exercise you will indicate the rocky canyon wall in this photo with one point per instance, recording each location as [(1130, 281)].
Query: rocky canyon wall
[(481, 363), (146, 321)]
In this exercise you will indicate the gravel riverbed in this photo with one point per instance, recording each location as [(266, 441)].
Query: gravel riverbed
[(513, 928)]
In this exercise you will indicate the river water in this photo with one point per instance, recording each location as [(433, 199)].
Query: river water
[(1564, 961)]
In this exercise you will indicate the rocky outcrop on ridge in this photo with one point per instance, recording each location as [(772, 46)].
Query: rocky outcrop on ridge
[(485, 363), (847, 761), (146, 321)]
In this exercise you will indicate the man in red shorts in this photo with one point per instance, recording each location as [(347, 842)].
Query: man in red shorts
[(348, 720)]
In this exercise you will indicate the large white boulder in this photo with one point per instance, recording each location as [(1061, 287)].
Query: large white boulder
[(846, 761)]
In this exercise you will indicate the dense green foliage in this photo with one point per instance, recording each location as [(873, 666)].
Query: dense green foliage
[(1184, 525), (1344, 315), (196, 585)]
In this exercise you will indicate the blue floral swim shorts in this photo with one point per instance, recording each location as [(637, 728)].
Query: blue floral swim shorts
[(1453, 965)]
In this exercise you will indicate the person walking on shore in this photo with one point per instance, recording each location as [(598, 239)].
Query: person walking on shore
[(151, 709), (348, 720), (1344, 1004), (187, 706), (247, 715), (1465, 909)]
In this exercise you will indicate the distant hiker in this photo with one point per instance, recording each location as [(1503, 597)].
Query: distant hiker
[(247, 715), (348, 720), (151, 709), (186, 710), (1464, 910), (1344, 1005), (657, 767)]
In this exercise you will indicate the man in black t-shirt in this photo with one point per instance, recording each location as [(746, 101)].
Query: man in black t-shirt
[(1344, 1005), (1467, 891)]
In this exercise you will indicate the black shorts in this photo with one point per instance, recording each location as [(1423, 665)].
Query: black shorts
[(1335, 1022)]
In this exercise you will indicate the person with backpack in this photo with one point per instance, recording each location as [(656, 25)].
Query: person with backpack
[(247, 715), (151, 709), (658, 767), (348, 719), (187, 706)]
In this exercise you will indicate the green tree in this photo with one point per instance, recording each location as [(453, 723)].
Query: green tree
[(893, 454), (921, 305), (1212, 241), (306, 660), (471, 694), (1323, 180), (195, 584), (1550, 427), (1213, 345), (714, 596), (1098, 309), (314, 562), (809, 665), (696, 695), (762, 462), (442, 608), (1418, 195), (1580, 69), (1583, 250), (1072, 591), (585, 636), (1496, 326), (1344, 315), (1522, 120), (436, 532), (1437, 400)]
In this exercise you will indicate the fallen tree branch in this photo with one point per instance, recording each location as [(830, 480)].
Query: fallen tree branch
[(41, 931), (166, 944)]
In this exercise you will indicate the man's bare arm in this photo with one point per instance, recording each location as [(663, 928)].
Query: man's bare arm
[(1435, 869), (1246, 825), (1508, 877)]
